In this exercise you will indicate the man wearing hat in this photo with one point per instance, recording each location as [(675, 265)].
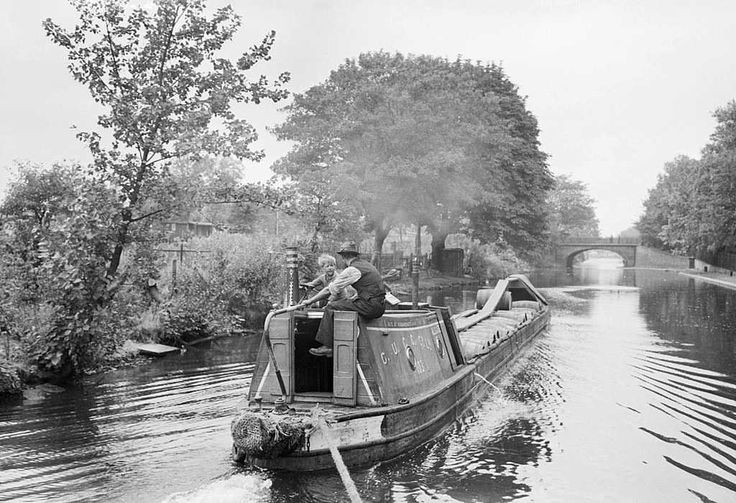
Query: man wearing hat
[(368, 302)]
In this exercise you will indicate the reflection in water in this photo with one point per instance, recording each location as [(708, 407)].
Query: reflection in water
[(135, 433), (630, 396)]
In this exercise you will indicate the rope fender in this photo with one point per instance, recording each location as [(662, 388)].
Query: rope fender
[(258, 435)]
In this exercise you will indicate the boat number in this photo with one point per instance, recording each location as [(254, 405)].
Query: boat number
[(384, 359), (411, 358)]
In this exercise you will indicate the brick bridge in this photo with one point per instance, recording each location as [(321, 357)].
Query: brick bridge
[(566, 250)]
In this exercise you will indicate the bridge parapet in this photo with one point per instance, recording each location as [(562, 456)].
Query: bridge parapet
[(566, 252), (588, 240)]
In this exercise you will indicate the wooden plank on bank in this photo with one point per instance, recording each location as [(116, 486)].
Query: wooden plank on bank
[(154, 349)]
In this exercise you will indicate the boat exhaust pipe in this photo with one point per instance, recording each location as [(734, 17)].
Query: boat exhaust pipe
[(291, 295)]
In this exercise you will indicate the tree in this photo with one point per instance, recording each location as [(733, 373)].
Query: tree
[(571, 209), (669, 221), (166, 93), (35, 198), (717, 185), (61, 228), (513, 176), (692, 209), (405, 139)]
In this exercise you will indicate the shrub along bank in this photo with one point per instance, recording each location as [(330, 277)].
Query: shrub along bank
[(224, 286)]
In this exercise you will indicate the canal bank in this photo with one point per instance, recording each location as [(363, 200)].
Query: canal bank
[(716, 278)]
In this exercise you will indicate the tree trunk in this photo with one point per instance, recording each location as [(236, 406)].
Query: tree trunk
[(439, 235), (438, 248), (314, 241), (379, 237), (117, 253)]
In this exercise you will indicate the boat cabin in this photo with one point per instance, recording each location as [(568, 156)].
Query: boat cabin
[(378, 362), (375, 362)]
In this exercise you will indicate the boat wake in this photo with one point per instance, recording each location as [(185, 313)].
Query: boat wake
[(237, 488)]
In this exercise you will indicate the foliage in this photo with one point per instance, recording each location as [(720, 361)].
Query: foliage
[(57, 295), (68, 231), (407, 140), (205, 186), (571, 210), (233, 279), (692, 209), (669, 215), (167, 95), (488, 260), (514, 178)]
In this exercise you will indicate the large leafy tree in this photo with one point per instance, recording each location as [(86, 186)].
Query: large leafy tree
[(692, 209), (571, 209), (405, 139), (166, 92), (514, 176), (385, 134), (717, 185), (670, 219)]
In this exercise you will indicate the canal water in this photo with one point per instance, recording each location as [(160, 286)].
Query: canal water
[(630, 396)]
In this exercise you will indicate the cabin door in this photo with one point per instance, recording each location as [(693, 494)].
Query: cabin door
[(345, 347), (280, 332)]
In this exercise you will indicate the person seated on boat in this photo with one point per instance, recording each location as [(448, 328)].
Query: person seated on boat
[(328, 265), (369, 300)]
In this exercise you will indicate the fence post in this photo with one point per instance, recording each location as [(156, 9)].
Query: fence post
[(173, 275)]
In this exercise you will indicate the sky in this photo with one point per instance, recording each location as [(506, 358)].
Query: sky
[(619, 88)]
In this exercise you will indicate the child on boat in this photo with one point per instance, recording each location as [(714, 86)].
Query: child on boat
[(328, 264), (368, 301)]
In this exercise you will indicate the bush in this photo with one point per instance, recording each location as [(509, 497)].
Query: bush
[(488, 260), (229, 284), (58, 237)]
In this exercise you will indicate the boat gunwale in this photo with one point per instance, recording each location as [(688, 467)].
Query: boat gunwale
[(447, 383), (462, 401)]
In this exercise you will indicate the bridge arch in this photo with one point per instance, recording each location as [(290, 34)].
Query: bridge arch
[(570, 259), (565, 252)]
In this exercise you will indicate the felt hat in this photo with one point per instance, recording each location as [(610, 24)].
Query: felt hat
[(348, 248)]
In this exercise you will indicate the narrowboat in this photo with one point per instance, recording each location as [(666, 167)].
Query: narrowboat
[(392, 384)]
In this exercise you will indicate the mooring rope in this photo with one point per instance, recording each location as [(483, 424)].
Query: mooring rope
[(503, 400), (339, 463), (263, 379)]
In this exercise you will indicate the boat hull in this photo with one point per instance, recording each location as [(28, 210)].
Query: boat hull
[(382, 433)]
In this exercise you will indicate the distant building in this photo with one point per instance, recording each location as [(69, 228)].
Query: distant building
[(185, 229)]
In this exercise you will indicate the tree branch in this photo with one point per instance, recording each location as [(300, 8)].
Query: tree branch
[(137, 219)]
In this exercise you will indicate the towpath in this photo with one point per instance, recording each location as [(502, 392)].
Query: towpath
[(725, 280)]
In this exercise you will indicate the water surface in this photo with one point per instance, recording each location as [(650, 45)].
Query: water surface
[(630, 396)]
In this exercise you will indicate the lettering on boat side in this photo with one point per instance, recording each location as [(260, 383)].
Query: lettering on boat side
[(387, 321)]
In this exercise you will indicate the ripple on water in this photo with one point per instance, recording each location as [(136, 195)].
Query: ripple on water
[(693, 414), (237, 488)]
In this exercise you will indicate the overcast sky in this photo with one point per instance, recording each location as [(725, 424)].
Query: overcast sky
[(618, 87)]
